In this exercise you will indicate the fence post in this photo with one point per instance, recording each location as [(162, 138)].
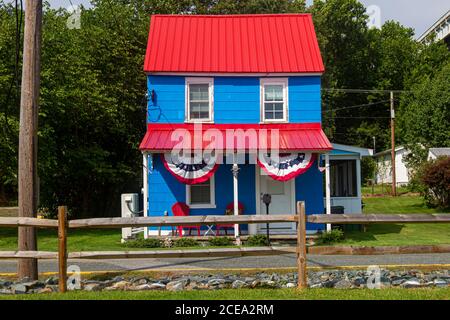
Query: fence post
[(301, 245), (62, 248)]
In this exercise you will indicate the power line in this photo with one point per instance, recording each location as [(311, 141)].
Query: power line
[(357, 106), (346, 90)]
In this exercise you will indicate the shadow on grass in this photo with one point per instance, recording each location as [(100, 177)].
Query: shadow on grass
[(372, 231)]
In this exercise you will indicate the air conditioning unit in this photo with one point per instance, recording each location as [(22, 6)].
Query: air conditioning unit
[(130, 208)]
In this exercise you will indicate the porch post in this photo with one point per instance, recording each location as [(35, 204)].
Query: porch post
[(327, 187), (235, 171), (145, 162)]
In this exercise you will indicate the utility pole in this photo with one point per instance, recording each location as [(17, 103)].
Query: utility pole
[(394, 178), (28, 180)]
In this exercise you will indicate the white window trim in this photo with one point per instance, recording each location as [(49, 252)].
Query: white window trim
[(205, 205), (199, 80), (278, 81)]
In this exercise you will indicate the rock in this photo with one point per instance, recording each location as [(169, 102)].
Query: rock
[(216, 282), (142, 287), (237, 284), (45, 290), (5, 284), (157, 286), (255, 283), (121, 285), (175, 286), (290, 285), (440, 283), (92, 287), (329, 283), (19, 288), (359, 281), (140, 281), (51, 281), (398, 282), (316, 285), (5, 291), (343, 284), (411, 284), (34, 284)]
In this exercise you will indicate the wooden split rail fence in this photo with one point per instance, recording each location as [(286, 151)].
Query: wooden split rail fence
[(62, 224)]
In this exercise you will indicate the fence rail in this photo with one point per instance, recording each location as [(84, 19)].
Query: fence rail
[(62, 224), (378, 218)]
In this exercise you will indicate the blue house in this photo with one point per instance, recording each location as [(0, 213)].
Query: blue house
[(234, 112)]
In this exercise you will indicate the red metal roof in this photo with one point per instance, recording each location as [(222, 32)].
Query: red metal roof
[(306, 136), (259, 43)]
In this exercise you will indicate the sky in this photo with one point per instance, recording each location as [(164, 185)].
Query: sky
[(418, 14)]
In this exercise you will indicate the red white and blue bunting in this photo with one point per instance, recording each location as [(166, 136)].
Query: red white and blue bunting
[(188, 170), (287, 166)]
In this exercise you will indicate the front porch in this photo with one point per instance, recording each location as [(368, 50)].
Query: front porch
[(212, 197)]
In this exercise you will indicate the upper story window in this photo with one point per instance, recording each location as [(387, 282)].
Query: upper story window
[(274, 97), (199, 99)]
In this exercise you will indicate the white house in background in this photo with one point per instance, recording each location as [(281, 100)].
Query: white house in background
[(345, 176), (441, 30), (384, 166), (434, 153)]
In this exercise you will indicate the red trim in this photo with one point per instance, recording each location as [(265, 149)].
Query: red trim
[(204, 178), (292, 174)]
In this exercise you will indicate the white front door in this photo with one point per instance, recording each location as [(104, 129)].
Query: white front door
[(283, 200)]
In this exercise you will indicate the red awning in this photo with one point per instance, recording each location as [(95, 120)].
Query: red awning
[(290, 137)]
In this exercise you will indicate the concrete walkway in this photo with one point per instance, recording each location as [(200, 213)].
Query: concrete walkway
[(284, 261)]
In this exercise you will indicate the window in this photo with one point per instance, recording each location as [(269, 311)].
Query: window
[(343, 178), (199, 99), (201, 195), (274, 100)]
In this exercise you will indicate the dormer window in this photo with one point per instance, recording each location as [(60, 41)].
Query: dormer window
[(274, 100), (199, 99)]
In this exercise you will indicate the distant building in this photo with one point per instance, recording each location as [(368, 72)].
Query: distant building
[(441, 30), (384, 166), (435, 153)]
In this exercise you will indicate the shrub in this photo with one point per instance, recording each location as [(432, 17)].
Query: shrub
[(257, 240), (185, 242), (436, 180), (144, 243), (220, 241), (332, 236)]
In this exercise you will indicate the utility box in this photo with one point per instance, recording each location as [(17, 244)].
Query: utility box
[(130, 208)]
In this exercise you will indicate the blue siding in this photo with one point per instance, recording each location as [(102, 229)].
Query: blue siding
[(309, 188), (304, 99), (236, 99)]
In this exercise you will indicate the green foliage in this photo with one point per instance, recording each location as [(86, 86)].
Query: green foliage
[(425, 115), (186, 242), (144, 243), (368, 169), (436, 180), (329, 237), (220, 241), (257, 240)]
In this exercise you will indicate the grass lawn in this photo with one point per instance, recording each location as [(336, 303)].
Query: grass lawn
[(398, 234), (249, 294)]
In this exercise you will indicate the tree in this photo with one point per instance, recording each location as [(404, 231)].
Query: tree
[(424, 120)]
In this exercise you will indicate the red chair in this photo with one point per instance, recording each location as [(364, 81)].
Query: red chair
[(230, 206), (181, 209)]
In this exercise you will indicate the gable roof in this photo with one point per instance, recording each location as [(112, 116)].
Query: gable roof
[(259, 43), (438, 152)]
